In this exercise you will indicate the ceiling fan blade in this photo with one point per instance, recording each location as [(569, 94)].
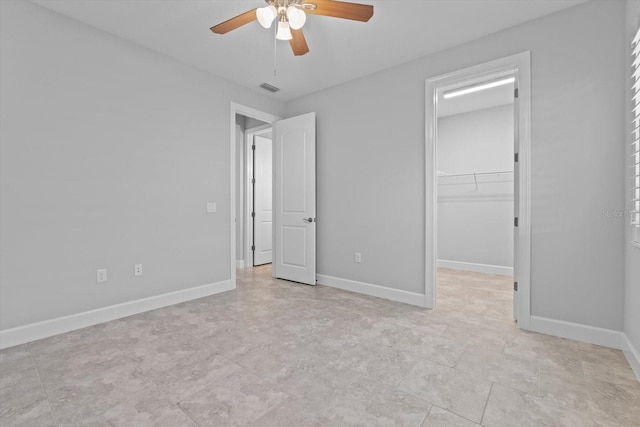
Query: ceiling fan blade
[(298, 43), (340, 9), (233, 23)]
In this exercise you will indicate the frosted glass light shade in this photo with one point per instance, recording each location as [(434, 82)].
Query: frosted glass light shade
[(266, 15), (284, 32), (296, 17)]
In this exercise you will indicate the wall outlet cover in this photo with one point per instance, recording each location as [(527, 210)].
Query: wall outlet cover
[(101, 275)]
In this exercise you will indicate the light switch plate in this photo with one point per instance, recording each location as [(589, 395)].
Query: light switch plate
[(211, 208), (357, 257)]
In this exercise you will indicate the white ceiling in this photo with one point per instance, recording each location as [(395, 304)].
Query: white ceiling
[(341, 50)]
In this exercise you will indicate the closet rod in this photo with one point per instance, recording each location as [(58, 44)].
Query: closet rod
[(473, 174)]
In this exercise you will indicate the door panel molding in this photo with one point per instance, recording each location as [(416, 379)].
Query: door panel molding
[(294, 199)]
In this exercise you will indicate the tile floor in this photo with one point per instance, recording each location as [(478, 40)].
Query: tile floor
[(275, 353)]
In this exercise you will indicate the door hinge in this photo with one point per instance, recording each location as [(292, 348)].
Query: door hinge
[(253, 180), (253, 147), (515, 286), (515, 93), (516, 158), (253, 214), (515, 222), (253, 248)]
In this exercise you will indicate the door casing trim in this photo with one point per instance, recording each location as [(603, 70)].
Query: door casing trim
[(244, 110), (518, 65)]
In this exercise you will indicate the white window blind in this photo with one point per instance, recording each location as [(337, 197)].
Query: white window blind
[(635, 141)]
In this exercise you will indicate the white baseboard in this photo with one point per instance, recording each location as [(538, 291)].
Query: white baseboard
[(480, 268), (633, 356), (372, 290), (239, 263), (47, 328), (578, 332)]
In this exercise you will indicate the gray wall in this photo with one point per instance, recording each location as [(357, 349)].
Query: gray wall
[(475, 224), (109, 154), (632, 258), (371, 164)]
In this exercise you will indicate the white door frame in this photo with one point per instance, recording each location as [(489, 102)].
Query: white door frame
[(233, 220), (248, 167), (518, 65)]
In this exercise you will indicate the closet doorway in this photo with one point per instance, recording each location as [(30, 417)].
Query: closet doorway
[(477, 233), (475, 204)]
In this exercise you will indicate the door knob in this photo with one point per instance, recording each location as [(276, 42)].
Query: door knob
[(307, 220)]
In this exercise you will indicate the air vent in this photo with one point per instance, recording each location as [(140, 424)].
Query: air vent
[(270, 88)]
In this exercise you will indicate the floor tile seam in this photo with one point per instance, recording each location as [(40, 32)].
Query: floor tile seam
[(475, 375), (466, 348), (336, 403), (289, 398), (410, 393), (397, 388), (426, 416), (518, 360), (500, 382), (486, 403), (65, 350), (463, 416), (43, 388), (171, 361), (93, 373), (177, 404), (208, 383), (420, 326), (428, 359)]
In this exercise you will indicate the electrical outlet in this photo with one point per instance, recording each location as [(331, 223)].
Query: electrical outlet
[(212, 208), (137, 270), (101, 275), (357, 257)]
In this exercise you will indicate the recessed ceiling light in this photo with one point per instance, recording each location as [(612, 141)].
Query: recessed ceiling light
[(476, 88)]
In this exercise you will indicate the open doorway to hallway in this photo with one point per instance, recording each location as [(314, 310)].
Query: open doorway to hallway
[(254, 239)]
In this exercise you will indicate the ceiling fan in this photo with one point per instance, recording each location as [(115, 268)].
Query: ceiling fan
[(291, 16)]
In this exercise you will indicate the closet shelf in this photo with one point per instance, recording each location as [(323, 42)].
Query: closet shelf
[(446, 175)]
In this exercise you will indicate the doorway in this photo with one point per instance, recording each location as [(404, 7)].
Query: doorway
[(259, 186), (242, 119), (293, 210), (475, 203), (477, 177)]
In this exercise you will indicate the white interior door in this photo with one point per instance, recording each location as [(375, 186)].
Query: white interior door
[(263, 200), (294, 155)]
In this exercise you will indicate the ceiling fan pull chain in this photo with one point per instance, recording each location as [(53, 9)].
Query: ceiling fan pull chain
[(275, 57)]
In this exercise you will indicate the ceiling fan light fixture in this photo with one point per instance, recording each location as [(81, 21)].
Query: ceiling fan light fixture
[(266, 15), (284, 32), (296, 17)]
